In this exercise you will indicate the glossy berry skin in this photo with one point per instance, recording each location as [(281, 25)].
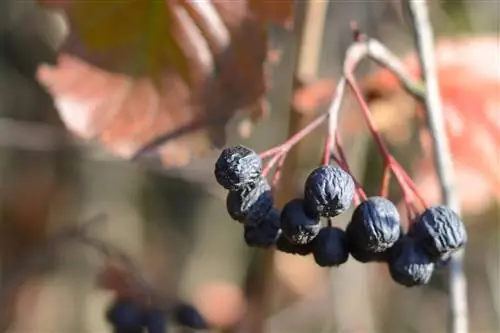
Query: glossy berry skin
[(125, 316), (284, 245), (187, 315), (297, 227), (252, 204), (266, 233), (237, 167), (330, 247), (409, 265), (439, 231), (328, 191), (375, 225), (155, 321)]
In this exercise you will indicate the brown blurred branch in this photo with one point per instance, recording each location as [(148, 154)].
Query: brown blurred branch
[(424, 42)]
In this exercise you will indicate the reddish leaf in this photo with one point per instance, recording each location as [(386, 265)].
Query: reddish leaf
[(280, 12), (225, 49)]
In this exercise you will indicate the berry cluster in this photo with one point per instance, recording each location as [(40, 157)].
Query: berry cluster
[(129, 316), (305, 225)]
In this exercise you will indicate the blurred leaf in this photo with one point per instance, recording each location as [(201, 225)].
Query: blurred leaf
[(136, 37), (280, 12), (221, 46), (469, 77)]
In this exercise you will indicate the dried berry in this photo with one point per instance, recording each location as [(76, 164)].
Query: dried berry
[(409, 265), (284, 245), (439, 231), (237, 167), (366, 256), (330, 247), (297, 227), (251, 204), (375, 225), (155, 321), (328, 192), (266, 233), (125, 315), (187, 315)]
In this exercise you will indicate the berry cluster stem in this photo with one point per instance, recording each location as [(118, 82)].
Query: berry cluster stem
[(408, 187)]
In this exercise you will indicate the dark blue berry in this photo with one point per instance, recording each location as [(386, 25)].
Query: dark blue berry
[(266, 233), (330, 247), (155, 321), (439, 231), (284, 245), (375, 225), (409, 265), (237, 167), (125, 315), (252, 204), (187, 315), (328, 191), (366, 256), (297, 227)]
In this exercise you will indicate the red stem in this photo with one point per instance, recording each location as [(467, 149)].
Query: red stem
[(386, 179)]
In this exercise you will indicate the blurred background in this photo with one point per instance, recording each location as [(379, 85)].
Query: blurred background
[(174, 223)]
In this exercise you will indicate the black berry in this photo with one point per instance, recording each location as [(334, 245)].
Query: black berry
[(297, 227), (284, 245), (237, 167), (330, 247), (125, 315), (155, 321), (250, 205), (440, 231), (409, 265), (266, 233), (328, 192), (375, 225), (367, 256), (187, 315)]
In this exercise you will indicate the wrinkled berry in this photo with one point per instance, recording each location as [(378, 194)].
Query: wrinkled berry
[(237, 167), (375, 225), (266, 233), (155, 321), (284, 245), (328, 192), (187, 315), (364, 256), (409, 265), (252, 204), (330, 247), (440, 231), (297, 227), (125, 315)]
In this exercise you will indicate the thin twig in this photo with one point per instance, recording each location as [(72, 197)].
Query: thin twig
[(424, 42)]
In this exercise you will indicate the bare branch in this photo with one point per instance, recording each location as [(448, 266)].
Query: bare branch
[(424, 41)]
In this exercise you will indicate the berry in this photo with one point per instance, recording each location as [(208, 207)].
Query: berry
[(364, 256), (237, 167), (330, 247), (375, 225), (125, 315), (328, 192), (297, 227), (250, 205), (284, 245), (155, 321), (409, 265), (440, 231), (187, 315), (266, 233)]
